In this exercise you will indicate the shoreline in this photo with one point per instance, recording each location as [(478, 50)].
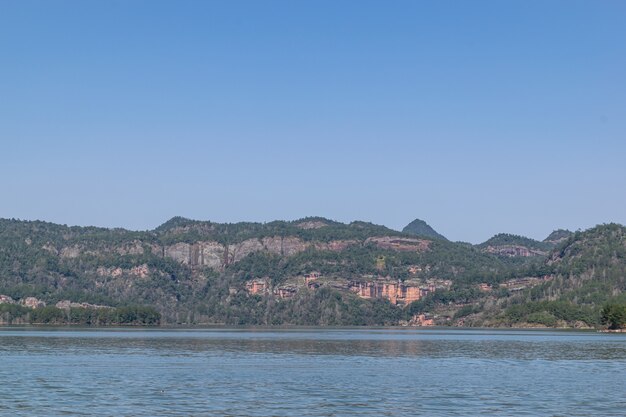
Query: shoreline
[(299, 327)]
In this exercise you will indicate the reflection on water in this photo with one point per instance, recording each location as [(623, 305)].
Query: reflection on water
[(311, 372)]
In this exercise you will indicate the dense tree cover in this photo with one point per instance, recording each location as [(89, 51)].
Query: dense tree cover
[(558, 234), (588, 270), (614, 316), (325, 307), (123, 316), (354, 261), (504, 239), (548, 313), (55, 262), (458, 294), (600, 247), (10, 312)]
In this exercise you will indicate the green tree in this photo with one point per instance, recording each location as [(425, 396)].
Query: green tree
[(614, 316)]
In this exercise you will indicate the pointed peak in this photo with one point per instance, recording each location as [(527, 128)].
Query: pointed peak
[(419, 227), (174, 222)]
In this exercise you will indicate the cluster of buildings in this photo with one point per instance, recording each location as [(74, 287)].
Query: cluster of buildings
[(397, 292), (263, 286)]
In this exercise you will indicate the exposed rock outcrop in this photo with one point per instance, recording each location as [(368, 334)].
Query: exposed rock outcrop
[(422, 320), (5, 299), (217, 256), (335, 245), (32, 302), (50, 248), (139, 271), (70, 252), (135, 247), (211, 254), (514, 250), (403, 244), (312, 224), (67, 304)]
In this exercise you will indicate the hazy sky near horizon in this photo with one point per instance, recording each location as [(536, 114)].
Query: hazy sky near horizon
[(479, 117)]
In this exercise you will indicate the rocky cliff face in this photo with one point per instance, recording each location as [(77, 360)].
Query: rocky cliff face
[(74, 251), (514, 250), (218, 256), (211, 254)]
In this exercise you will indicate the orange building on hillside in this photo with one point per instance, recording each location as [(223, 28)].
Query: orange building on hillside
[(258, 286), (395, 292)]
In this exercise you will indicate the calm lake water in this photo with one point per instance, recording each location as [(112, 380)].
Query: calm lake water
[(311, 372)]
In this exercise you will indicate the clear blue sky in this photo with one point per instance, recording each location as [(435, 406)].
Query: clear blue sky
[(479, 117)]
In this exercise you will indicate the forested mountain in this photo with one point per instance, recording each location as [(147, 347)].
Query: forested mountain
[(309, 271), (558, 236), (502, 239), (505, 244), (420, 228), (579, 277)]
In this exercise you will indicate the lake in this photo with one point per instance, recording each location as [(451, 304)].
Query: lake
[(311, 372)]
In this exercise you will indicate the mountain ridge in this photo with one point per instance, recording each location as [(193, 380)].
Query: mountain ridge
[(265, 273)]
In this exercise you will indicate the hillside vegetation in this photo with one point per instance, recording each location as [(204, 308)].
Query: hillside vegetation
[(199, 272), (506, 239), (586, 273)]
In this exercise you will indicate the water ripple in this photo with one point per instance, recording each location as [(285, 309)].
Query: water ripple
[(310, 372)]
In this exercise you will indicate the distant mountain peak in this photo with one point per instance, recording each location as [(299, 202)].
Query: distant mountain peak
[(419, 227), (503, 239), (174, 222), (558, 235), (506, 244)]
